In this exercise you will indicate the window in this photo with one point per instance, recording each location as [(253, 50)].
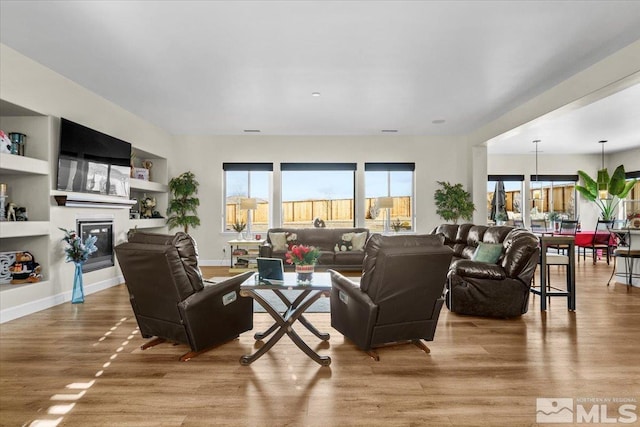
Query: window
[(504, 194), (242, 181), (553, 193), (389, 180), (631, 206), (318, 191)]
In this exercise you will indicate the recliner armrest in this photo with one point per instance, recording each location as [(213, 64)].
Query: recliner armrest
[(350, 289), (480, 270), (216, 295)]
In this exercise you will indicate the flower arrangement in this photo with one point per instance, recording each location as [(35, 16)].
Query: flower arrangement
[(76, 250), (302, 255), (239, 226)]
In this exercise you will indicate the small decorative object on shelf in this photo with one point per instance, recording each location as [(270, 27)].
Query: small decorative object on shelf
[(78, 252), (18, 142), (3, 196), (5, 143), (239, 226), (25, 269), (147, 164), (146, 206), (304, 258), (141, 173)]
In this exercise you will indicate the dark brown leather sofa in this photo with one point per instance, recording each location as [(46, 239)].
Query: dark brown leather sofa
[(169, 298), (325, 239), (485, 289), (399, 297)]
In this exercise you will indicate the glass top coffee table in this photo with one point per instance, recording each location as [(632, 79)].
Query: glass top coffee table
[(309, 293)]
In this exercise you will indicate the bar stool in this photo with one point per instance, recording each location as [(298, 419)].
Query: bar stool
[(545, 290), (628, 254)]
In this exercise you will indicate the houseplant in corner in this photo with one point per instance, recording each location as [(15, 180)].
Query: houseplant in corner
[(607, 191), (453, 202), (182, 210)]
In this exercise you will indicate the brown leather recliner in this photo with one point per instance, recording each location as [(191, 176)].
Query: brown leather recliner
[(169, 298), (400, 292)]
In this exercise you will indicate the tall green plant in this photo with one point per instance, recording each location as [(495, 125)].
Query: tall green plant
[(182, 210), (453, 202), (617, 188)]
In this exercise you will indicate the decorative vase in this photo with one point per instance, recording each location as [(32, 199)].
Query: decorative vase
[(304, 273), (77, 296)]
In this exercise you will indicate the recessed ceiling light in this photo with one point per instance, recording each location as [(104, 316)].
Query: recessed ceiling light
[(315, 94), (438, 121), (252, 130), (389, 130)]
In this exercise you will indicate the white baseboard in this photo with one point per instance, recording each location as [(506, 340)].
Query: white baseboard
[(48, 302)]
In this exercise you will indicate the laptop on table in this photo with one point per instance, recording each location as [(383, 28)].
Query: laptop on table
[(270, 270)]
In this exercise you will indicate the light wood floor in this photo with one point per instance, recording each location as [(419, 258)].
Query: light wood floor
[(480, 371)]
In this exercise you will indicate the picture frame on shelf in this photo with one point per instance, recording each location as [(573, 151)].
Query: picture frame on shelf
[(141, 173)]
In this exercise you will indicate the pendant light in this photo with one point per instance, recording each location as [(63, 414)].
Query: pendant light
[(603, 177)]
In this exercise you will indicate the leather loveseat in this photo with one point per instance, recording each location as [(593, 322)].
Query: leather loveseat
[(340, 248), (493, 289)]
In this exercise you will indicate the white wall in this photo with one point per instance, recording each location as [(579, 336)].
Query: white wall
[(436, 159)]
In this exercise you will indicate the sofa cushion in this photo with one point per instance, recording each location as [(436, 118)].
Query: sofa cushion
[(487, 252), (278, 241)]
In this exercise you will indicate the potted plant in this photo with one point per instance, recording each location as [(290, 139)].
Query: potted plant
[(453, 202), (239, 226), (616, 188), (554, 220), (182, 207)]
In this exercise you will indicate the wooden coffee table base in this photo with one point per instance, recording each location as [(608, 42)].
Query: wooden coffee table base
[(284, 322)]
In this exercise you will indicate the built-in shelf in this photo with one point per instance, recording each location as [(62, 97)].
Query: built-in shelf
[(149, 186), (23, 228), (148, 223), (12, 164)]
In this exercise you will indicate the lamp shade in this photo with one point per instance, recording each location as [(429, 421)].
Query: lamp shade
[(385, 202), (248, 203)]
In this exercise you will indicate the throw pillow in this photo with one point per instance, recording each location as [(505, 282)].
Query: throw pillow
[(292, 239), (488, 252), (343, 246), (358, 240), (279, 241)]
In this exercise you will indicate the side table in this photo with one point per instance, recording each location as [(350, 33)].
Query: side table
[(252, 251)]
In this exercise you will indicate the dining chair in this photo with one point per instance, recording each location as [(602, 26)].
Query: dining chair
[(601, 240), (538, 225), (568, 227), (628, 254)]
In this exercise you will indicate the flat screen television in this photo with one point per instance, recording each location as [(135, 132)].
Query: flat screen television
[(92, 162)]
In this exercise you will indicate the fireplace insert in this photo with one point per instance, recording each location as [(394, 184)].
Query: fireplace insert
[(103, 230)]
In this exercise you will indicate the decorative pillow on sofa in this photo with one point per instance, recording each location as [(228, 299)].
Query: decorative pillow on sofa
[(487, 252), (279, 241), (292, 239), (343, 246), (357, 240)]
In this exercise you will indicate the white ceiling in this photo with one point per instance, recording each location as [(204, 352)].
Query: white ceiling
[(221, 67)]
